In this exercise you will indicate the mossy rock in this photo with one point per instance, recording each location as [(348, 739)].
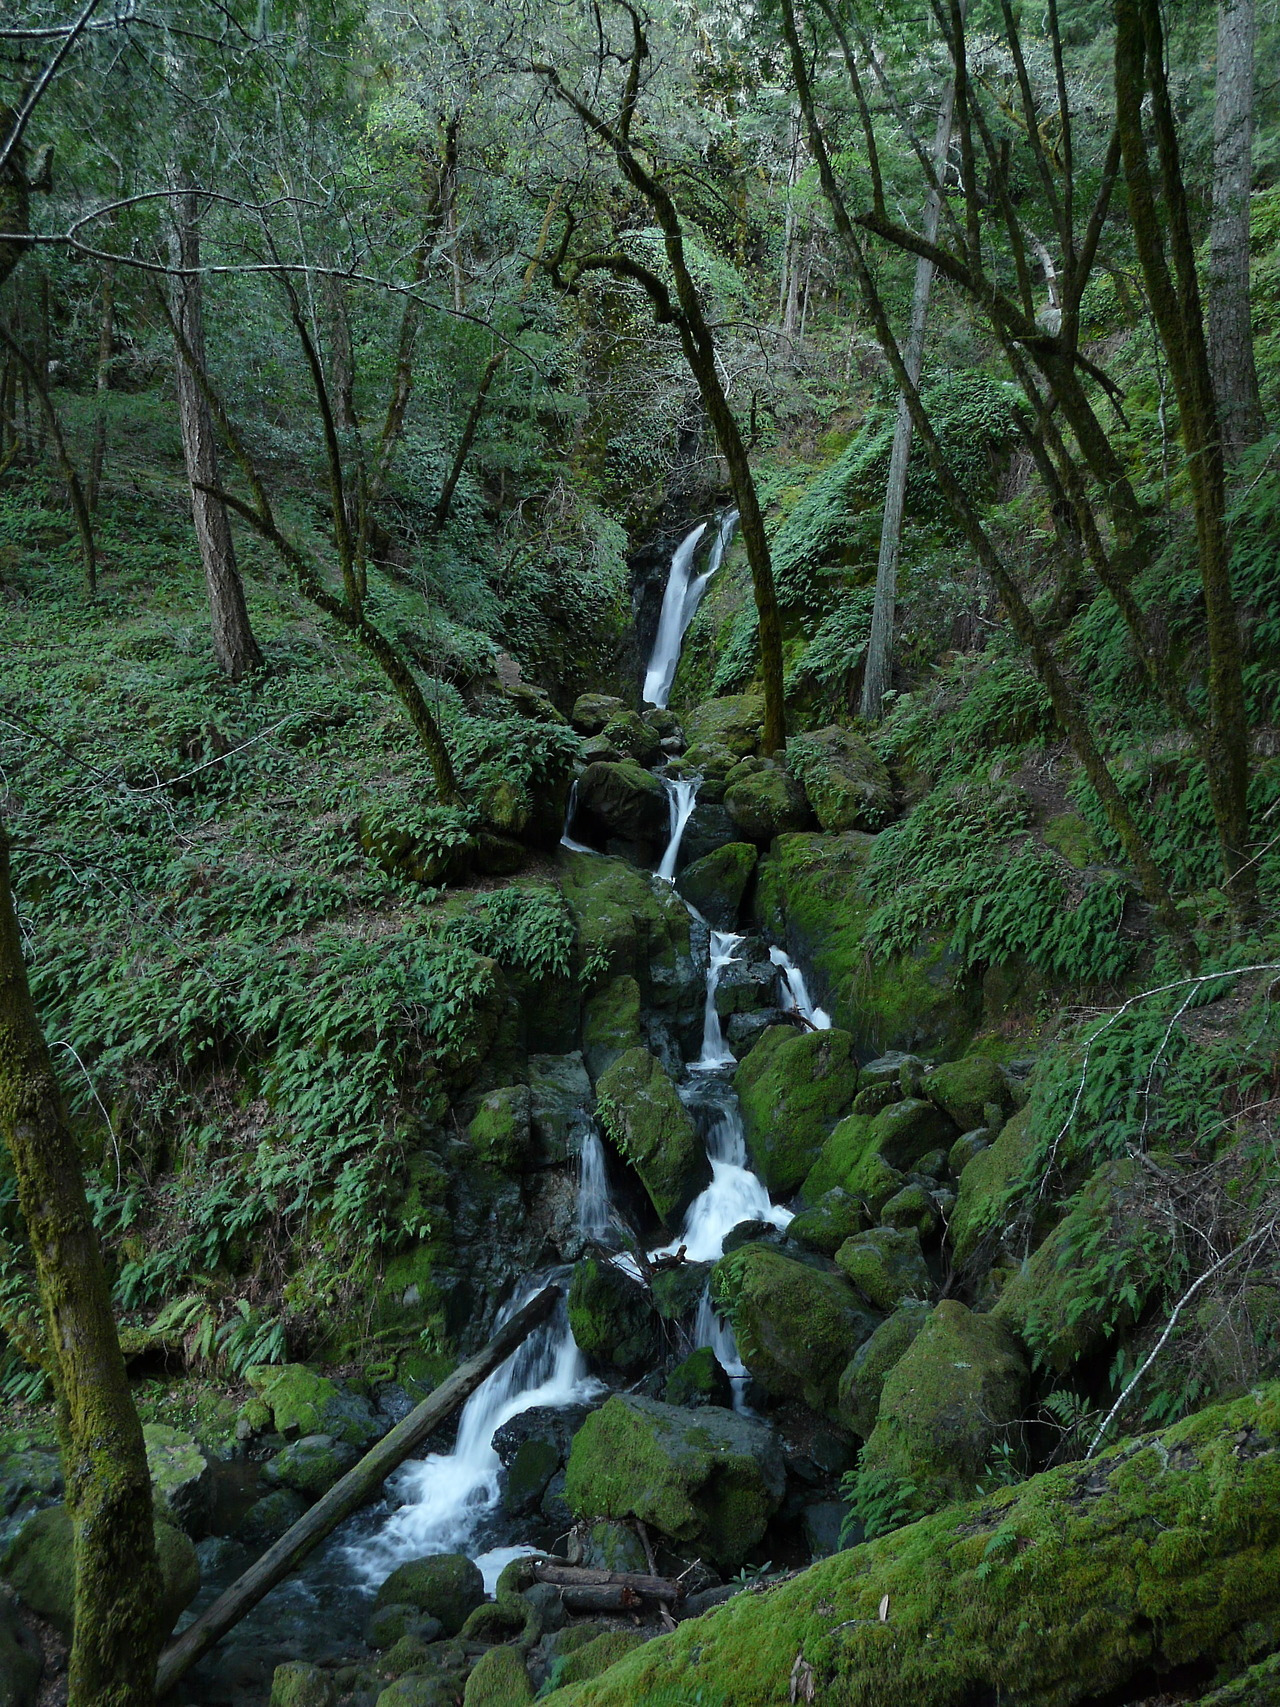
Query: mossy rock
[(886, 1265), (654, 1131), (734, 721), (1053, 1304), (501, 1130), (911, 1208), (796, 1326), (716, 883), (1072, 836), (389, 1624), (611, 1315), (310, 1466), (793, 1087), (302, 1403), (862, 1381), (905, 1131), (29, 1477), (836, 1216), (865, 1155), (500, 1679), (1078, 1585), (628, 732), (428, 1686), (611, 1024), (561, 1104), (612, 1546), (678, 1290), (963, 1089), (843, 777), (1257, 1687), (945, 1404), (627, 924), (982, 1197), (535, 1463), (181, 1482), (446, 1586), (767, 803), (621, 802), (270, 1517), (810, 895), (297, 1684), (40, 1567), (708, 1480), (699, 1380), (597, 1656), (591, 711)]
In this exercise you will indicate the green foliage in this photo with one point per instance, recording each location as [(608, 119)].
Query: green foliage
[(245, 1338), (836, 646), (977, 708), (879, 1501), (527, 928)]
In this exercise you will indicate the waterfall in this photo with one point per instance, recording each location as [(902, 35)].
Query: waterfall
[(795, 992), (715, 1051), (447, 1496), (595, 1206), (571, 812), (735, 1194), (680, 601), (710, 1329), (681, 796)]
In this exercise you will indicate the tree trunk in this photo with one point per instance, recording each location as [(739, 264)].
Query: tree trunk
[(106, 337), (233, 643), (879, 663), (15, 201), (1235, 378), (108, 1486)]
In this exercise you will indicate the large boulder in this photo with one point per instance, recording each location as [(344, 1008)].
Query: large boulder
[(863, 1379), (1082, 1584), (734, 721), (502, 1130), (621, 802), (707, 1480), (654, 1131), (965, 1089), (945, 1406), (591, 711), (629, 734), (40, 1568), (499, 1679), (629, 924), (181, 1481), (796, 1326), (302, 1402), (834, 1217), (793, 1086), (886, 1265), (310, 1466), (716, 883), (844, 778), (561, 1105), (611, 1315), (867, 1155), (611, 1023), (298, 1684), (446, 1586), (982, 1198), (766, 803)]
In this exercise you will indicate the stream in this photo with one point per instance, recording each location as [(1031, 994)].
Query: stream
[(451, 1501)]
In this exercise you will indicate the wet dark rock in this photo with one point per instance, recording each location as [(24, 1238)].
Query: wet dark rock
[(699, 1380), (447, 1586), (561, 1104), (622, 803), (268, 1518), (310, 1466), (709, 828)]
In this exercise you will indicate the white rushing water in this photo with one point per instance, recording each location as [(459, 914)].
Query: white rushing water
[(446, 1496), (715, 1051), (795, 992), (680, 601), (571, 812), (682, 796), (595, 1206)]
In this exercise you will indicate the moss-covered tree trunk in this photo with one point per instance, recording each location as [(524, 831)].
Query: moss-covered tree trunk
[(113, 1656)]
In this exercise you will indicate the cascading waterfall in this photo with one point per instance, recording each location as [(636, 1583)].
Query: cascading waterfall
[(715, 1051), (571, 812), (682, 795), (680, 601), (595, 1206), (795, 992)]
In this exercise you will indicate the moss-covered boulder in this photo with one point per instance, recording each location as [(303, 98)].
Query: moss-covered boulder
[(425, 1686), (621, 802), (40, 1568), (982, 1197), (500, 1679), (963, 1089), (597, 1656), (297, 1684), (654, 1131), (611, 1316), (886, 1265), (591, 711), (310, 1466), (810, 895), (561, 1105), (708, 1480), (1055, 1304), (796, 1326), (627, 923), (501, 1130), (766, 803), (716, 883), (793, 1087), (302, 1402), (861, 1383), (865, 1155), (677, 1288), (446, 1586), (629, 734), (699, 1380), (181, 1482), (836, 1216), (1079, 1585), (946, 1404), (734, 722), (611, 1023), (843, 777)]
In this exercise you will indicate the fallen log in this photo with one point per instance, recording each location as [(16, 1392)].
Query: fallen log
[(601, 1599), (348, 1495), (587, 1576)]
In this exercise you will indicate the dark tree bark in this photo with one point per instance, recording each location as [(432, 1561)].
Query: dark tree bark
[(117, 1637), (233, 643), (1235, 378), (106, 338), (15, 200), (70, 475)]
